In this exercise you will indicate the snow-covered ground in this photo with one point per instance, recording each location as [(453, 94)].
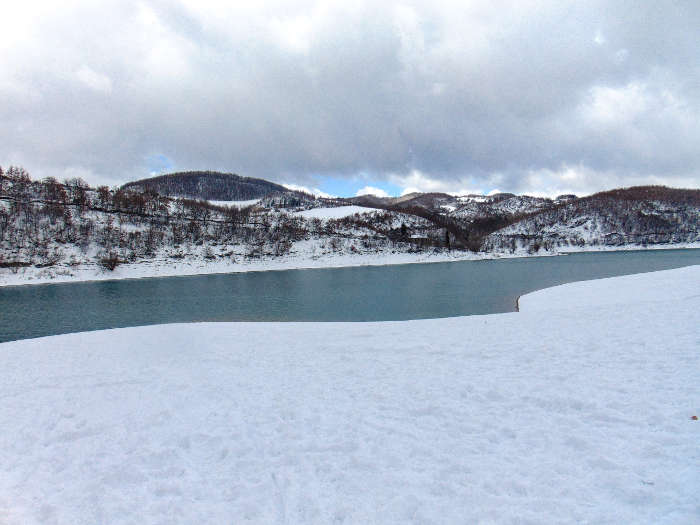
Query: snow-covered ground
[(237, 204), (305, 254), (334, 213), (577, 409)]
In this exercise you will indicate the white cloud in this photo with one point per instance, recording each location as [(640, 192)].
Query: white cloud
[(599, 39), (616, 105), (312, 191), (293, 33), (370, 190), (94, 80), (581, 180), (438, 88), (621, 55), (418, 182), (427, 95)]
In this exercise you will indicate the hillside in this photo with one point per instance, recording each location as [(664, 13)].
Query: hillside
[(508, 223), (459, 207), (59, 227), (53, 229), (207, 185), (643, 215)]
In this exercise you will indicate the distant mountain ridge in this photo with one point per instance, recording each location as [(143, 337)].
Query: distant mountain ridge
[(207, 185), (502, 222), (46, 224)]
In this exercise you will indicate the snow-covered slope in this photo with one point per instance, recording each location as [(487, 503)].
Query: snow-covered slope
[(236, 204), (475, 206), (335, 213), (51, 230), (71, 231), (608, 219), (575, 410)]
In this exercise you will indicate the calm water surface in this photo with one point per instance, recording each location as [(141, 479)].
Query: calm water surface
[(379, 293)]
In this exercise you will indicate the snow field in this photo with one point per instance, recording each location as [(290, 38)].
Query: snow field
[(237, 204), (577, 409), (335, 213)]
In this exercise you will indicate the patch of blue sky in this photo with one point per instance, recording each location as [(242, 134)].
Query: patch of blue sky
[(159, 163)]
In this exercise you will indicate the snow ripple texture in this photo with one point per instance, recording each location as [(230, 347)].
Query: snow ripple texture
[(575, 410)]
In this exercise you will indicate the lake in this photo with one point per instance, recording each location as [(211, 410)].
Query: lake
[(366, 293)]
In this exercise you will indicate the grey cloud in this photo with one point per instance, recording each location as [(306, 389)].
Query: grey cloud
[(518, 96)]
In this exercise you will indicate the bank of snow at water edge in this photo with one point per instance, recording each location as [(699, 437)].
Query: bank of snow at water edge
[(307, 254), (577, 409)]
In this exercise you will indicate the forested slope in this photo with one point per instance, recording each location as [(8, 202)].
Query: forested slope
[(208, 185)]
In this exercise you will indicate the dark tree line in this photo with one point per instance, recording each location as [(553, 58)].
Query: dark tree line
[(208, 185)]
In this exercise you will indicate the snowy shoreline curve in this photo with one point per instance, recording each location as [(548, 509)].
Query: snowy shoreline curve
[(576, 409), (170, 268)]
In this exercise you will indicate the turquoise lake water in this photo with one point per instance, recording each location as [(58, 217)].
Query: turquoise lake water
[(368, 293)]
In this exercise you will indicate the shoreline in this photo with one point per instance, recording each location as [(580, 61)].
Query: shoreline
[(156, 268)]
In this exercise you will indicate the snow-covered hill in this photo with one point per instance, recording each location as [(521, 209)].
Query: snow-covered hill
[(52, 229), (338, 212), (638, 216), (470, 208), (461, 207)]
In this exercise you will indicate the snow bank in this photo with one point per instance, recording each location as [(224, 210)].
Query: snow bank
[(306, 254), (620, 292), (334, 213), (577, 409)]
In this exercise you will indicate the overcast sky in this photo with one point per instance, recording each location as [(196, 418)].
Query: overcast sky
[(529, 97)]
